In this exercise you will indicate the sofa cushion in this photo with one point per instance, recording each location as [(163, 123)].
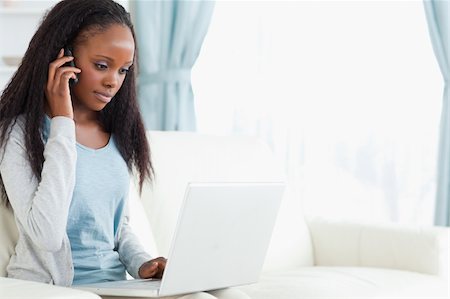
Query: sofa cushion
[(416, 248), (347, 282), (16, 288)]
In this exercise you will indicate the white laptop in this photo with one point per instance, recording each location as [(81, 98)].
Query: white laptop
[(220, 240)]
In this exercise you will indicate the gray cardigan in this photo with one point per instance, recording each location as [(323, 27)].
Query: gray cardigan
[(41, 208)]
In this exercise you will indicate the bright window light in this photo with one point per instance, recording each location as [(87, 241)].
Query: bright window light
[(347, 94)]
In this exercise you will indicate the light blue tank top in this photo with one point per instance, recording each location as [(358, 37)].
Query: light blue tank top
[(101, 188)]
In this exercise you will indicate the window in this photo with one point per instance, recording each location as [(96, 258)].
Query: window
[(347, 94)]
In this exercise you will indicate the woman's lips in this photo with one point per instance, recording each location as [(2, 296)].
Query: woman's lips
[(105, 98)]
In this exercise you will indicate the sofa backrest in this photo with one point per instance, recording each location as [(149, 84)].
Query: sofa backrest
[(8, 236), (182, 157)]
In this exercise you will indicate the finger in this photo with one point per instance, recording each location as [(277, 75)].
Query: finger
[(162, 265), (150, 274), (52, 68), (149, 269), (162, 262), (57, 63), (66, 77), (154, 265), (64, 74), (55, 73), (158, 274), (62, 71), (159, 270), (160, 259)]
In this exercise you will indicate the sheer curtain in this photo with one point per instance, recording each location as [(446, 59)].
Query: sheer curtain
[(170, 35), (438, 22), (347, 96)]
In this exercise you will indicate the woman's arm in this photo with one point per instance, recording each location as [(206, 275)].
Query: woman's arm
[(42, 207), (131, 251)]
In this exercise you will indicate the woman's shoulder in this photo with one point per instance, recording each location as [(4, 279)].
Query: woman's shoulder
[(17, 126), (15, 133)]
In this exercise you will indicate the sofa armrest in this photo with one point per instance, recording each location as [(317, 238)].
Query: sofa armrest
[(16, 288), (411, 248)]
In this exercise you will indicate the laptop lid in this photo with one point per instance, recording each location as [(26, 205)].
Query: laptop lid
[(221, 239), (222, 236)]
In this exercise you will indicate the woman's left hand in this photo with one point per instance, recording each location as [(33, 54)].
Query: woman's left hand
[(153, 268)]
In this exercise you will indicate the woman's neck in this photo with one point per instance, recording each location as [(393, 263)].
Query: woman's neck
[(81, 116)]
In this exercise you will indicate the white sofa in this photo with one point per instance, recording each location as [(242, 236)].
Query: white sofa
[(307, 258)]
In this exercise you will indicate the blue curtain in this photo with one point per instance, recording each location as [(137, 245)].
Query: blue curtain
[(169, 36), (437, 13)]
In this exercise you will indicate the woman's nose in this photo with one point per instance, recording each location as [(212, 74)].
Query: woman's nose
[(111, 80)]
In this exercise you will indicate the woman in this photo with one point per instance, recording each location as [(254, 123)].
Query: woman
[(70, 134)]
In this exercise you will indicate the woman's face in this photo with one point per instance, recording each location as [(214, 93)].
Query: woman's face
[(104, 59)]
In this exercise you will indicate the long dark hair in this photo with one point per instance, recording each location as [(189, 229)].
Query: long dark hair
[(63, 25)]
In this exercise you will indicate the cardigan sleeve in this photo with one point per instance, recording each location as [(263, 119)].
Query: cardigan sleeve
[(42, 206), (131, 251)]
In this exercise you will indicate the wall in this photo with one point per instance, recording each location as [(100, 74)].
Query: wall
[(19, 20)]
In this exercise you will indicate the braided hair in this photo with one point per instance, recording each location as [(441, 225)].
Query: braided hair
[(68, 23)]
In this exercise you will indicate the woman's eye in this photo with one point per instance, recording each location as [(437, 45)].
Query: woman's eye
[(100, 66), (124, 71)]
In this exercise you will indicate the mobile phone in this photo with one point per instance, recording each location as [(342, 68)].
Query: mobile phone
[(68, 52)]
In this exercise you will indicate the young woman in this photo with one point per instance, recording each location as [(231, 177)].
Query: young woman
[(69, 137)]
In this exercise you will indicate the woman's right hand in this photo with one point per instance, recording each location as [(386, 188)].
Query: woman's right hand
[(153, 268), (57, 90)]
